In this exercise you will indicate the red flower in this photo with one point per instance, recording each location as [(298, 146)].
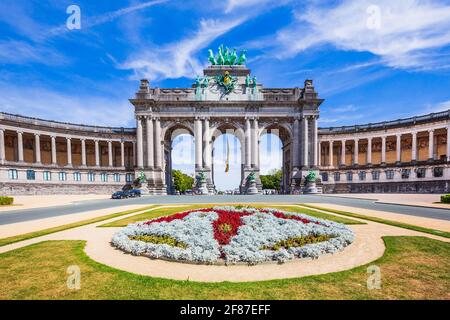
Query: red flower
[(227, 224), (177, 216), (282, 215)]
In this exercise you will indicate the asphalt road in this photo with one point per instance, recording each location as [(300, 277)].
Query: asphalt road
[(14, 216)]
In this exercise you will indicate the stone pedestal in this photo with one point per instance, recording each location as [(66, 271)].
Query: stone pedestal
[(252, 189), (203, 189), (311, 188), (144, 188)]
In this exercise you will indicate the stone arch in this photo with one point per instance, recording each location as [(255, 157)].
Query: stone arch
[(283, 130), (234, 128), (169, 133)]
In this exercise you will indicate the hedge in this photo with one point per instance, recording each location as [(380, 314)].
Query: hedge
[(445, 198), (4, 201)]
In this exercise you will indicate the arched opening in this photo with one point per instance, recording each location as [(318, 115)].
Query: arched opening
[(227, 159), (275, 159), (179, 155)]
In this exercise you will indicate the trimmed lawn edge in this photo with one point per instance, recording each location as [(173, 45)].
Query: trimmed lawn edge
[(292, 208), (384, 221), (40, 233)]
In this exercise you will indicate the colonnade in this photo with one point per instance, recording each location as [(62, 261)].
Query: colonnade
[(330, 143), (69, 141)]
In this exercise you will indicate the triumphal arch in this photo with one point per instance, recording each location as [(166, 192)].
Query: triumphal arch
[(227, 98)]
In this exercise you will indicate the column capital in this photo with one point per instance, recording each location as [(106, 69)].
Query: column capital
[(430, 130), (68, 138), (35, 134)]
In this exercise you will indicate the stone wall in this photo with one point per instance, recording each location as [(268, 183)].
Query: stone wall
[(438, 186), (46, 189)]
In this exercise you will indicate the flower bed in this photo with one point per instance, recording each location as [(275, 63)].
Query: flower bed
[(233, 235)]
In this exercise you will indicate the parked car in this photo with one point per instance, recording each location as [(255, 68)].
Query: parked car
[(133, 193), (119, 195)]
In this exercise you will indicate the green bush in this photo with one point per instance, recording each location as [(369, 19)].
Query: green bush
[(445, 198), (4, 201)]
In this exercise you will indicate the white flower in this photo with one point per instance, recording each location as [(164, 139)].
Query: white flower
[(259, 229)]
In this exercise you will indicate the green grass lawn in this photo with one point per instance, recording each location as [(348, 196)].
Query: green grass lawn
[(40, 233), (168, 211), (384, 221), (411, 268)]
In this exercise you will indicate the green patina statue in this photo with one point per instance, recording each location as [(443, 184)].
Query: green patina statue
[(311, 176), (142, 178), (226, 82), (251, 178), (201, 178), (226, 57)]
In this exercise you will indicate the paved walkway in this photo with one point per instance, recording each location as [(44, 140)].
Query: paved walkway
[(367, 247), (7, 217), (45, 201), (430, 200)]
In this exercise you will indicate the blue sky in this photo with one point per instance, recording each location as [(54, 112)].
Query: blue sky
[(369, 63)]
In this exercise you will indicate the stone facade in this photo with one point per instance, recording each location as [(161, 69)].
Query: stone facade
[(407, 155), (205, 111)]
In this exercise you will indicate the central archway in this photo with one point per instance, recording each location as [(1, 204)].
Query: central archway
[(227, 158)]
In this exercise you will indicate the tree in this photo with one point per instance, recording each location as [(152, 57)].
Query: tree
[(182, 181), (272, 180)]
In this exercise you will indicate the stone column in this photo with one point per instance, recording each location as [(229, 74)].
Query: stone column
[(207, 144), (314, 141), (448, 142), (139, 144), (295, 144), (330, 161), (399, 148), (122, 154), (319, 154), (69, 151), (369, 150), (20, 146), (198, 143), (134, 153), (83, 153), (305, 142), (54, 160), (356, 153), (110, 155), (150, 143), (158, 147), (254, 158), (414, 146), (430, 144), (37, 147), (383, 149), (97, 153), (343, 152), (248, 142), (2, 146)]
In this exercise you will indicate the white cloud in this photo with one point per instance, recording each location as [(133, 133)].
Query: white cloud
[(50, 105), (19, 52), (104, 18), (178, 59), (442, 106), (410, 31)]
